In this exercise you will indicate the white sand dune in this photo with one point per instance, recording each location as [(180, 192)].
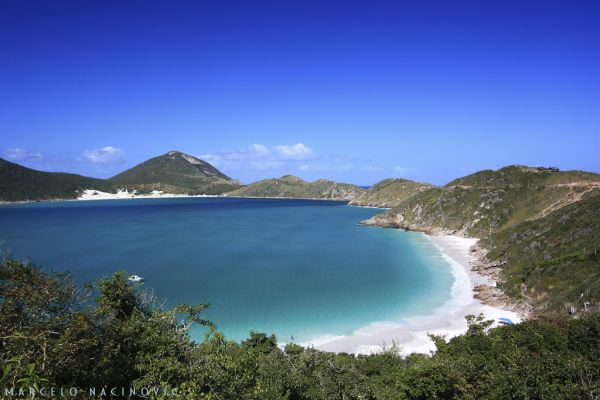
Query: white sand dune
[(410, 334), (91, 194)]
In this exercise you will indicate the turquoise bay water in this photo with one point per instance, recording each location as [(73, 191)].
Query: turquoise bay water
[(290, 267)]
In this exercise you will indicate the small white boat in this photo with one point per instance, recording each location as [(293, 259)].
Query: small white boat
[(135, 278)]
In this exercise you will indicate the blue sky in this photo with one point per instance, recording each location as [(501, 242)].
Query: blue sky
[(351, 91)]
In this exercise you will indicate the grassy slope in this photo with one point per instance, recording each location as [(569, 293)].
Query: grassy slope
[(18, 183), (558, 254), (487, 201), (541, 226), (390, 192), (293, 187)]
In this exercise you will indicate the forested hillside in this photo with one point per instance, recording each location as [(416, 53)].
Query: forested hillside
[(18, 183)]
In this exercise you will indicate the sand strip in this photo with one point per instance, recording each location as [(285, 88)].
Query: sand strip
[(91, 194)]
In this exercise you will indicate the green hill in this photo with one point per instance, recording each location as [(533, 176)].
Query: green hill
[(538, 225), (389, 193), (18, 183), (289, 186), (553, 261), (175, 172), (487, 201)]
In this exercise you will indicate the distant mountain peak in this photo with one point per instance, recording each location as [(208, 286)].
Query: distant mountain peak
[(178, 172)]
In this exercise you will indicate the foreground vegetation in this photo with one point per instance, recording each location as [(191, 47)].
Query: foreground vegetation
[(55, 333)]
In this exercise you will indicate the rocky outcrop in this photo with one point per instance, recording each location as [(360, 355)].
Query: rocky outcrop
[(493, 295)]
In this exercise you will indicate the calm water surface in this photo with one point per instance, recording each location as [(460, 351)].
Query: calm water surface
[(290, 267)]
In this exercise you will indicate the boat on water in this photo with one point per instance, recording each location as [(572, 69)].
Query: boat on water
[(135, 278)]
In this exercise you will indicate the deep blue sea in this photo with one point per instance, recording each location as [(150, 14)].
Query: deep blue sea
[(291, 267)]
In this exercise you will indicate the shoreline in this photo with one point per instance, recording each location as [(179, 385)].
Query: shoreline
[(90, 194), (126, 195), (120, 195), (411, 333)]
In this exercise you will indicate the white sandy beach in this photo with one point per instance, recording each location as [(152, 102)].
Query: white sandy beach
[(91, 194), (410, 334)]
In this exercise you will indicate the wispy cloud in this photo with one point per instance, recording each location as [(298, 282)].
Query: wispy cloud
[(258, 161), (21, 154), (297, 151), (259, 156), (105, 155)]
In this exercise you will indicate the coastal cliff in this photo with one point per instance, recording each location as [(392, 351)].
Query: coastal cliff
[(538, 230)]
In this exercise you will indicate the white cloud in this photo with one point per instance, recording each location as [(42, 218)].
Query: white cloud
[(259, 150), (21, 154), (259, 156), (227, 158), (285, 158), (210, 158), (296, 151), (105, 155)]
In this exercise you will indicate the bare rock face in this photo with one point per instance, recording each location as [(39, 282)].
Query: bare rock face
[(390, 220), (491, 295)]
